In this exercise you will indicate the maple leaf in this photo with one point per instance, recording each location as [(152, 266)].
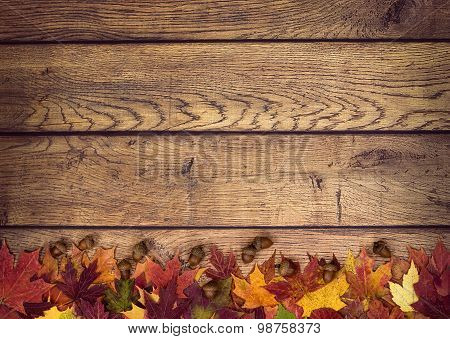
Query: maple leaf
[(49, 269), (8, 313), (224, 266), (325, 313), (82, 288), (35, 310), (366, 283), (404, 296), (122, 298), (299, 284), (166, 307), (328, 296), (418, 256), (86, 310), (200, 306), (55, 313), (439, 260), (106, 265), (378, 311), (150, 273), (253, 291), (16, 284), (267, 268)]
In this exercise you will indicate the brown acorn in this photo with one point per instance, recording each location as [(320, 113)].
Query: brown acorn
[(248, 254), (380, 247), (86, 243), (210, 289), (57, 249), (261, 243), (140, 250), (287, 268), (197, 255), (124, 267), (329, 271)]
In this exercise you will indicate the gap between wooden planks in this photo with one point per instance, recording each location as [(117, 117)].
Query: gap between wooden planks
[(225, 180), (323, 86), (293, 243), (60, 20)]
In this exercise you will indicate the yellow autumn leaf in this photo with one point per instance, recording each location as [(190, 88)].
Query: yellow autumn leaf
[(54, 313), (199, 273), (404, 296), (135, 313), (253, 292), (328, 296), (350, 262)]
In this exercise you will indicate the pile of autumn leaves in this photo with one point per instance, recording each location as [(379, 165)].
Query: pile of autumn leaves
[(78, 286)]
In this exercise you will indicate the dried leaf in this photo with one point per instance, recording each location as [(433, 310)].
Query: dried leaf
[(404, 296), (329, 296), (16, 284), (283, 313), (224, 266), (54, 313), (122, 298), (253, 291)]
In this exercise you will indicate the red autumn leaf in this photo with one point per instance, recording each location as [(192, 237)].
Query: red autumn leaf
[(16, 284), (354, 310), (378, 311), (82, 288), (419, 257), (267, 268), (8, 313), (87, 310), (430, 303), (325, 313), (151, 273), (439, 259), (224, 266), (297, 285), (166, 307)]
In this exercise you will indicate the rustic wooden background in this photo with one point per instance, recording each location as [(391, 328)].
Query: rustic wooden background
[(322, 124)]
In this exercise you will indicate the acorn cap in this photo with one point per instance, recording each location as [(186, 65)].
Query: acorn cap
[(86, 243), (139, 251), (261, 243), (380, 247), (57, 249), (330, 267), (124, 265), (287, 267)]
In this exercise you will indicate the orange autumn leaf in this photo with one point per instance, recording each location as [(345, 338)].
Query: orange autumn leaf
[(49, 270), (106, 265), (151, 273), (366, 284), (252, 291)]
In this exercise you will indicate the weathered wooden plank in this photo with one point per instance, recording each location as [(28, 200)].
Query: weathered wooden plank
[(98, 20), (225, 87), (225, 180), (292, 243)]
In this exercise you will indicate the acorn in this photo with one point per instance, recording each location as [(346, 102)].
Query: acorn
[(86, 243), (140, 250), (287, 268), (380, 248), (124, 267), (248, 254), (57, 249), (261, 243), (210, 289), (197, 255), (329, 271)]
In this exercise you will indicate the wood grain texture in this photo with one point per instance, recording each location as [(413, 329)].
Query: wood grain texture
[(98, 20), (225, 87), (225, 180), (292, 243)]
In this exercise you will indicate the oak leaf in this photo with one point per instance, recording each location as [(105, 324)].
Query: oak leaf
[(404, 296), (16, 284), (252, 291), (328, 296)]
